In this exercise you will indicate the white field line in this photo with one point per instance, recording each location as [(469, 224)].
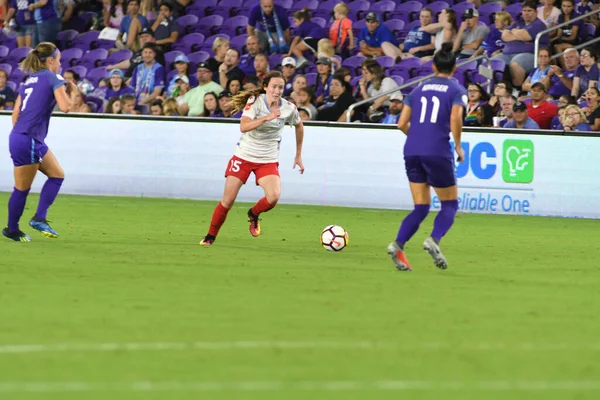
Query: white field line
[(290, 345), (269, 386)]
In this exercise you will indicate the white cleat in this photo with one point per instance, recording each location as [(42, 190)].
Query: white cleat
[(434, 251)]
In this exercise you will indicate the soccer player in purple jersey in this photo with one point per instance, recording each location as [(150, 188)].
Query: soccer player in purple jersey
[(430, 112), (31, 115)]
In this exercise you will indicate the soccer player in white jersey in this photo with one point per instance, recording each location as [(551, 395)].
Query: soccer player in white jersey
[(263, 120)]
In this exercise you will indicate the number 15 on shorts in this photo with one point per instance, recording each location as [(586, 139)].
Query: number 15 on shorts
[(234, 165)]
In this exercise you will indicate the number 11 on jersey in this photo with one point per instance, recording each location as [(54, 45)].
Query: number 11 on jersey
[(434, 111)]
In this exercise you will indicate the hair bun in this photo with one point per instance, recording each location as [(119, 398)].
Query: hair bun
[(447, 47)]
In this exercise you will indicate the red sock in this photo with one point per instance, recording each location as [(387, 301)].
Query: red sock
[(262, 206), (218, 219)]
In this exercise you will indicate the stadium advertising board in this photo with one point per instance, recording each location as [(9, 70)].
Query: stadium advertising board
[(356, 167)]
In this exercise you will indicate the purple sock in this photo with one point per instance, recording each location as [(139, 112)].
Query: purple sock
[(16, 205), (411, 223), (47, 196), (444, 220)]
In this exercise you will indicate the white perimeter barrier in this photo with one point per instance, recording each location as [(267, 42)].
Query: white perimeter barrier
[(356, 167)]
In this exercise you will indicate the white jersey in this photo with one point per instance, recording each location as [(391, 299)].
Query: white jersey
[(261, 145)]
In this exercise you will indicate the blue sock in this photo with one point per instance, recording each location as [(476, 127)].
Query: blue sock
[(47, 196), (410, 224), (444, 220), (16, 205)]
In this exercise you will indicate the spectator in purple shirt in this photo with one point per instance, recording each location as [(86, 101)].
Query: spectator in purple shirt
[(567, 36), (25, 24), (273, 30), (116, 85), (48, 23), (559, 80), (586, 74), (307, 36), (247, 60), (519, 39)]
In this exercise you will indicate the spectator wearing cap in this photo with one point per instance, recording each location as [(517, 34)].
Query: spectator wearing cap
[(470, 35), (305, 114), (247, 60), (307, 36), (193, 103), (261, 65), (394, 109), (336, 104), (559, 80), (47, 21), (444, 30), (131, 25), (586, 74), (418, 43), (146, 37), (148, 80), (182, 65), (165, 28), (324, 76), (117, 86), (520, 118), (220, 47), (229, 68), (288, 69), (182, 86), (226, 107), (372, 37), (539, 109), (273, 30), (519, 37)]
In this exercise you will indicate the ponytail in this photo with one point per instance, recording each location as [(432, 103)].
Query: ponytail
[(36, 59), (444, 59)]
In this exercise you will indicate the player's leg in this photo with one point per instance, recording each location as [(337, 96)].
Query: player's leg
[(442, 178), (52, 169), (24, 176), (267, 177), (421, 198)]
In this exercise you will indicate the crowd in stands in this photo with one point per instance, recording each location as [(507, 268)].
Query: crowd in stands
[(189, 57)]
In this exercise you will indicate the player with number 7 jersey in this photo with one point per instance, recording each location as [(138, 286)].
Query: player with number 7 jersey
[(35, 102), (262, 123), (430, 113)]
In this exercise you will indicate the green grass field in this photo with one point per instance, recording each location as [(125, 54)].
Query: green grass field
[(127, 305)]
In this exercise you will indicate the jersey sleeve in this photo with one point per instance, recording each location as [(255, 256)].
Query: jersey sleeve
[(57, 81), (295, 116), (460, 97), (251, 110)]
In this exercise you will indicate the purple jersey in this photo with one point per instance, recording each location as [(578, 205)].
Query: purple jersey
[(47, 12), (431, 105), (22, 13), (37, 103)]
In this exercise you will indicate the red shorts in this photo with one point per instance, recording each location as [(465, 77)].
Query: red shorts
[(242, 169)]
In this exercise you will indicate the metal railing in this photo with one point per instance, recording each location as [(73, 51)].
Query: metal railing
[(412, 83), (536, 44), (580, 46)]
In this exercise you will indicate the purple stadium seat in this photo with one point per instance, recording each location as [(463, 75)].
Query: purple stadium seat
[(170, 58), (383, 8), (275, 60), (68, 55), (96, 101), (234, 26), (401, 73), (85, 40), (395, 25), (6, 68), (116, 57), (96, 74), (225, 13), (327, 15), (17, 75), (186, 23), (514, 10), (310, 4), (79, 70), (398, 79), (311, 79), (357, 27), (91, 58), (9, 42), (103, 44), (409, 10), (487, 12), (358, 9), (198, 13), (386, 62), (322, 22), (587, 32), (64, 38), (436, 7), (239, 43), (170, 75), (4, 51), (354, 63), (248, 4), (328, 5), (409, 66), (189, 43), (198, 57), (412, 24), (355, 81), (231, 6), (12, 85), (17, 55), (207, 25)]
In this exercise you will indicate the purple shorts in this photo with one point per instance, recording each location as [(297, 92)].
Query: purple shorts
[(24, 150), (436, 171)]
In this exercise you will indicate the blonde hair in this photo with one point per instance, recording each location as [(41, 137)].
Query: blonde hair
[(239, 100), (171, 107), (36, 59), (325, 48), (218, 43), (342, 8), (582, 117), (504, 17)]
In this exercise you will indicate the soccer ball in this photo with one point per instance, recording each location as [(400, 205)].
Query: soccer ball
[(334, 238)]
